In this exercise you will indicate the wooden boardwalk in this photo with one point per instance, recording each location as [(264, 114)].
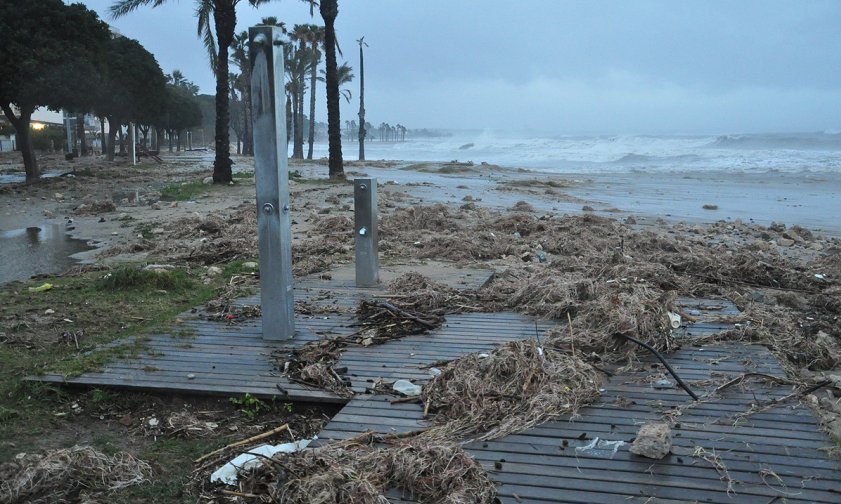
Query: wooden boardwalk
[(772, 456), (233, 359), (775, 455)]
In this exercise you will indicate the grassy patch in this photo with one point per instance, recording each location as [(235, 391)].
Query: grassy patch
[(245, 175), (133, 278), (98, 310), (185, 191)]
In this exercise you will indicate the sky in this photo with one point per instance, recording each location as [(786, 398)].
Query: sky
[(558, 66)]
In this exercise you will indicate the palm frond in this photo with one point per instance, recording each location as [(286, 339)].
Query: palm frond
[(123, 7), (204, 14)]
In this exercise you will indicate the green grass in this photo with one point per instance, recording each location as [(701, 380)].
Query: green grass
[(244, 175), (103, 310), (134, 278), (185, 191)]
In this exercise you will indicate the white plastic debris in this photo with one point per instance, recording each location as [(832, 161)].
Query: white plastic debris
[(820, 276), (483, 356), (434, 371), (153, 422), (674, 320), (601, 448), (407, 388), (228, 473)]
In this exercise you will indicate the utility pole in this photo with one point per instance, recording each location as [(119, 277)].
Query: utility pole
[(362, 131)]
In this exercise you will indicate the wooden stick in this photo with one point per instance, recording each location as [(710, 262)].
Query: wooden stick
[(741, 378), (571, 336), (392, 308), (258, 437), (239, 494)]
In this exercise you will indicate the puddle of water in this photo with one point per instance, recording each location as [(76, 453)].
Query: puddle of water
[(20, 177), (36, 250)]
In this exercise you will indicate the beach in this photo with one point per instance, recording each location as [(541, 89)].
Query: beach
[(593, 254)]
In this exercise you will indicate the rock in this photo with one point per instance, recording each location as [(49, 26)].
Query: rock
[(406, 388), (654, 440), (250, 265), (791, 235), (467, 198), (710, 207), (214, 271), (49, 311), (157, 231), (48, 214), (778, 227), (159, 268), (785, 242), (191, 376), (630, 220), (156, 206), (174, 204), (588, 208), (323, 211), (761, 245), (59, 196), (816, 246), (207, 180)]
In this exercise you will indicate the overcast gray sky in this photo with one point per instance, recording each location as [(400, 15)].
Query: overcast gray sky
[(561, 66)]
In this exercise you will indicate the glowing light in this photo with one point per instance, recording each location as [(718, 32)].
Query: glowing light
[(38, 126)]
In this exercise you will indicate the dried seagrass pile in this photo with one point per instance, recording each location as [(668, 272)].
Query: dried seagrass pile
[(362, 470), (509, 389), (77, 474), (379, 322)]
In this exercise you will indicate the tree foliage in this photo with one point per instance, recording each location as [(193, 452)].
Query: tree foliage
[(50, 57), (132, 88)]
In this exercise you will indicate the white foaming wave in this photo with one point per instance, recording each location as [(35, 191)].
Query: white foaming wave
[(617, 153)]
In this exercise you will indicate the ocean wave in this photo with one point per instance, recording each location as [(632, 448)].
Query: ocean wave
[(799, 141)]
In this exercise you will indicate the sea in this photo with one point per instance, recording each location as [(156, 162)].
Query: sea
[(783, 152)]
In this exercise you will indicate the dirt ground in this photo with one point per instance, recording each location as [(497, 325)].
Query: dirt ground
[(164, 213)]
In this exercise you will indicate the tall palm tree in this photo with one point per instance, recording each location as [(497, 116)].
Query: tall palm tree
[(316, 39), (297, 64), (301, 60), (329, 9), (240, 56), (362, 132), (221, 14)]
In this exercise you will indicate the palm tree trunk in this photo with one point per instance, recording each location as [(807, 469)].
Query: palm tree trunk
[(224, 17), (248, 148), (288, 119), (329, 10), (311, 136), (299, 126), (361, 104)]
